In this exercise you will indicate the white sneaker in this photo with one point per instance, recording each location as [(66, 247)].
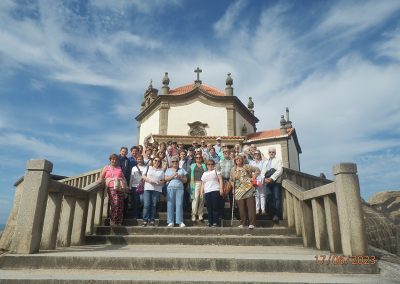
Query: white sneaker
[(182, 225), (193, 218), (251, 227), (170, 224), (200, 218), (240, 226)]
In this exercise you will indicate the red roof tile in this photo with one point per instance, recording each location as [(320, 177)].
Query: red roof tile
[(274, 133), (188, 88)]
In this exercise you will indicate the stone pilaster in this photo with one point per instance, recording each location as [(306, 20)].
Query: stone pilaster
[(30, 218), (163, 122), (231, 120), (351, 219)]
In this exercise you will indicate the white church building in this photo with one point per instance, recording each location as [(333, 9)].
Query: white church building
[(198, 111)]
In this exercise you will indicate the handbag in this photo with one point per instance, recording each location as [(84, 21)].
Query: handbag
[(140, 187), (227, 188), (270, 172)]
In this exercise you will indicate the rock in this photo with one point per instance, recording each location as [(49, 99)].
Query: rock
[(387, 202)]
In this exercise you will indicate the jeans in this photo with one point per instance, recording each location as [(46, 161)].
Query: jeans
[(136, 202), (150, 198), (213, 202), (274, 198), (175, 204)]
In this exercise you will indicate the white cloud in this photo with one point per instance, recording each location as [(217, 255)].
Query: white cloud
[(145, 7), (226, 23), (391, 47), (351, 17), (46, 150)]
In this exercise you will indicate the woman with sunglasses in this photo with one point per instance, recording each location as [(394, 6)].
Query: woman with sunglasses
[(154, 181), (116, 189), (212, 188), (196, 171), (244, 191), (176, 177)]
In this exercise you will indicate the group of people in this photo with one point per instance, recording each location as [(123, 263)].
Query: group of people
[(197, 177)]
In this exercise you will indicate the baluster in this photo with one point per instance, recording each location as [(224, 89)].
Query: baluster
[(91, 213), (290, 209), (321, 235), (79, 222), (332, 223), (66, 220), (51, 220)]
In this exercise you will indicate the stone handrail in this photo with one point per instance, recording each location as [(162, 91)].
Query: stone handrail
[(82, 180), (327, 214), (56, 213)]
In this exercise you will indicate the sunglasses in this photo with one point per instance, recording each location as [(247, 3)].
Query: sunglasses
[(198, 157)]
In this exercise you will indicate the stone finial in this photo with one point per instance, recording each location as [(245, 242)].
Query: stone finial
[(288, 122), (198, 71), (283, 125), (283, 121), (229, 80), (250, 105), (150, 85), (228, 88), (165, 82)]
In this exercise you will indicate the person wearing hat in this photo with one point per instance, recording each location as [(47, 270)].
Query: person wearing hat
[(218, 146), (175, 177)]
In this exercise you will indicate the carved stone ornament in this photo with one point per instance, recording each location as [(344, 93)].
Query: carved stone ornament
[(197, 128)]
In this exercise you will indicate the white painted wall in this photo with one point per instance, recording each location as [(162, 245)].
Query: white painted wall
[(149, 126), (293, 156), (239, 124), (180, 116)]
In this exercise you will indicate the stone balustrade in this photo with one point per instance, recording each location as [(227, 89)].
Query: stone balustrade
[(56, 213), (327, 214)]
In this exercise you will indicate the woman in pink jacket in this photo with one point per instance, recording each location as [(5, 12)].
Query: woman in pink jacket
[(116, 188)]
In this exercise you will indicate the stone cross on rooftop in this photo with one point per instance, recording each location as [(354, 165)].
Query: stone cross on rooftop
[(198, 71)]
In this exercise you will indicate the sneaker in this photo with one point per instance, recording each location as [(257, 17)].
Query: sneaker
[(144, 224), (152, 223), (257, 212), (194, 218), (182, 225), (275, 219), (251, 227), (240, 226), (263, 212), (170, 224), (214, 225), (200, 218)]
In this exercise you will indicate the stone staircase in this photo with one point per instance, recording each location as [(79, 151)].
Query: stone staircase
[(195, 254), (66, 241)]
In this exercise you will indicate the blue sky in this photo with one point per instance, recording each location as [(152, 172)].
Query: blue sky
[(73, 74)]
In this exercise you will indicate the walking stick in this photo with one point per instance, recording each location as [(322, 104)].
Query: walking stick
[(233, 202)]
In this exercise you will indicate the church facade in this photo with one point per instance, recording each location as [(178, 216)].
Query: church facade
[(199, 111)]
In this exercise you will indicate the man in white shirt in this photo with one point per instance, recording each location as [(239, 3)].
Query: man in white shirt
[(272, 174)]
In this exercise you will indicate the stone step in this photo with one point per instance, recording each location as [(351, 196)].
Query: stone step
[(180, 258), (222, 240), (189, 223), (138, 230), (187, 215), (67, 276)]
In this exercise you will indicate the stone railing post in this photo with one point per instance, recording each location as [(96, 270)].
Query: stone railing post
[(30, 218), (351, 219)]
